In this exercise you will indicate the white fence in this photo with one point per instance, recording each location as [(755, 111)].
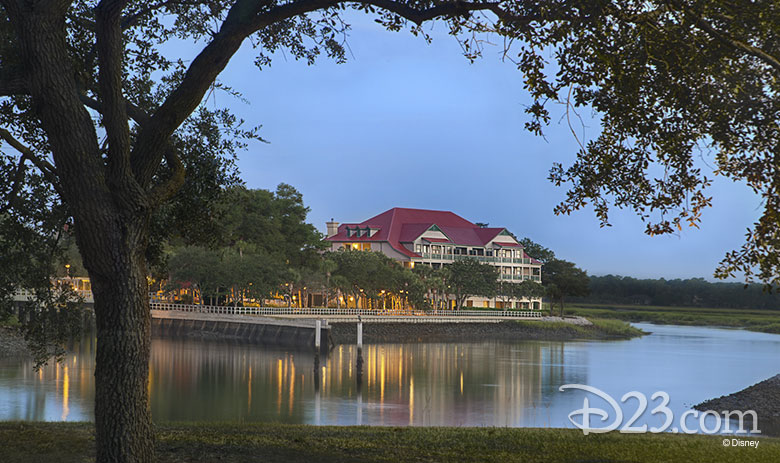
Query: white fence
[(23, 295), (228, 310)]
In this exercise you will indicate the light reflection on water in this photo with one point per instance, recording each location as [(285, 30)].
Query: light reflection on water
[(497, 384), (456, 384)]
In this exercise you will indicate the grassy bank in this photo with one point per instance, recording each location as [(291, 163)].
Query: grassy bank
[(767, 321), (513, 330), (602, 328), (209, 442)]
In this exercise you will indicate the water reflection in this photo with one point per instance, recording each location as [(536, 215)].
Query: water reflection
[(471, 384), (57, 392), (466, 384)]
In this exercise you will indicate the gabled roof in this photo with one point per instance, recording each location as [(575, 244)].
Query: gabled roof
[(400, 225), (411, 231)]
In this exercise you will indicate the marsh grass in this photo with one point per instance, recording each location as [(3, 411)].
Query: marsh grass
[(234, 442), (601, 328), (767, 321)]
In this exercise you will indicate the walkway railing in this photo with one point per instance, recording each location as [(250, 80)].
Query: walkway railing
[(229, 310), (23, 295)]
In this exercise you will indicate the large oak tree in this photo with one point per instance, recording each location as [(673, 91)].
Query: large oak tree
[(90, 100)]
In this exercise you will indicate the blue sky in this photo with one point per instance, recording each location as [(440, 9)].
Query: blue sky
[(408, 124)]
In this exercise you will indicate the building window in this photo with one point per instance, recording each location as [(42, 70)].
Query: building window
[(357, 246)]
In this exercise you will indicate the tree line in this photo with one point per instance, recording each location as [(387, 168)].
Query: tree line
[(252, 245), (693, 292)]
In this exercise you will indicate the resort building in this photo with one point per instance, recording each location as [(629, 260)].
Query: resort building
[(436, 238)]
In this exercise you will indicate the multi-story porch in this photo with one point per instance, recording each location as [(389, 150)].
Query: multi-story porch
[(438, 238)]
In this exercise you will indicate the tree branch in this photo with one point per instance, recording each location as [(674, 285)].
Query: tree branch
[(160, 193), (110, 68), (131, 19), (47, 169), (136, 113), (455, 8), (244, 18), (16, 185), (726, 39), (167, 189), (203, 70)]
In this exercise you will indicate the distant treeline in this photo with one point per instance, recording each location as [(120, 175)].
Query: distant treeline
[(695, 292)]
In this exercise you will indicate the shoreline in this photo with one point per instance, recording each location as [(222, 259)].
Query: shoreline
[(12, 344), (760, 321)]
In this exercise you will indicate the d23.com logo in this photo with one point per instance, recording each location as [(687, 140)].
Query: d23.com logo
[(583, 417)]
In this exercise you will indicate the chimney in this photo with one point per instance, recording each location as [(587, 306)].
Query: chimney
[(333, 227)]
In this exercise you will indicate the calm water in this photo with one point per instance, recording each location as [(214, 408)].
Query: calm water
[(471, 384)]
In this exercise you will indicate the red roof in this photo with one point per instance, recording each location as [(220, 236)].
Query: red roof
[(401, 225), (410, 231), (507, 245)]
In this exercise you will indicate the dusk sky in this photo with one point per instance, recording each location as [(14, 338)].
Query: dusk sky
[(408, 124)]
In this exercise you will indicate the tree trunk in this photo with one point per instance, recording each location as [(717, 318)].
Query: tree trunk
[(123, 422)]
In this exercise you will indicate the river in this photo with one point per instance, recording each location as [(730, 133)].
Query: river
[(489, 383)]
